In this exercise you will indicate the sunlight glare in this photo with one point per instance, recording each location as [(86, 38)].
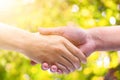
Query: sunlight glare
[(6, 4), (28, 1)]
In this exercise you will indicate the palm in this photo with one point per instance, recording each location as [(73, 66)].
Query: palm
[(79, 37), (76, 36)]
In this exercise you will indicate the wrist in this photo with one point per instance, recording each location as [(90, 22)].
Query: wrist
[(95, 36), (23, 40), (30, 42)]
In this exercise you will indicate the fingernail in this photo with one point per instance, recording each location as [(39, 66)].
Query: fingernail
[(53, 68), (45, 66), (60, 72), (84, 61)]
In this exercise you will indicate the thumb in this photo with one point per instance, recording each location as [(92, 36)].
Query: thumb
[(50, 31)]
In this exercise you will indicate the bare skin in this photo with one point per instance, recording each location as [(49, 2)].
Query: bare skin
[(50, 49), (88, 41)]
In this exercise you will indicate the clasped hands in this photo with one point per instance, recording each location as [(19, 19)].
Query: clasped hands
[(63, 48), (59, 49)]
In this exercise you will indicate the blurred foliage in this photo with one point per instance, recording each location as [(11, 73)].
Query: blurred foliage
[(32, 14)]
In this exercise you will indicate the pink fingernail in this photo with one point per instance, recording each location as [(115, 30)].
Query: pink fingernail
[(60, 72), (54, 68), (84, 62), (45, 66)]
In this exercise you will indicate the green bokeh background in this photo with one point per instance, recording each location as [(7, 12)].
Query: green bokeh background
[(32, 14)]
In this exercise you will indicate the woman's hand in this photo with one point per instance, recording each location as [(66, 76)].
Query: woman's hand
[(54, 50)]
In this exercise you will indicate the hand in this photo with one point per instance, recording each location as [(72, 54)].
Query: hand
[(79, 37), (54, 50)]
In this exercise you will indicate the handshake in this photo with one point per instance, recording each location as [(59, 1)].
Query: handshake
[(63, 48), (60, 49)]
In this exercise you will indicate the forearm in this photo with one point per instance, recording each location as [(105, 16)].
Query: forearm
[(12, 38), (106, 38)]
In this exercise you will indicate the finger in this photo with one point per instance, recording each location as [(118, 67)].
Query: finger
[(53, 68), (66, 63), (33, 63), (75, 51), (50, 31), (60, 71), (62, 68), (72, 59), (45, 66)]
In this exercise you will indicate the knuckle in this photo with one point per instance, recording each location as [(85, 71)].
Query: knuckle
[(76, 60), (61, 40), (58, 49), (78, 52)]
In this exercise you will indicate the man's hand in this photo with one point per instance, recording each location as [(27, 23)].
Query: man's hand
[(79, 37), (95, 39)]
